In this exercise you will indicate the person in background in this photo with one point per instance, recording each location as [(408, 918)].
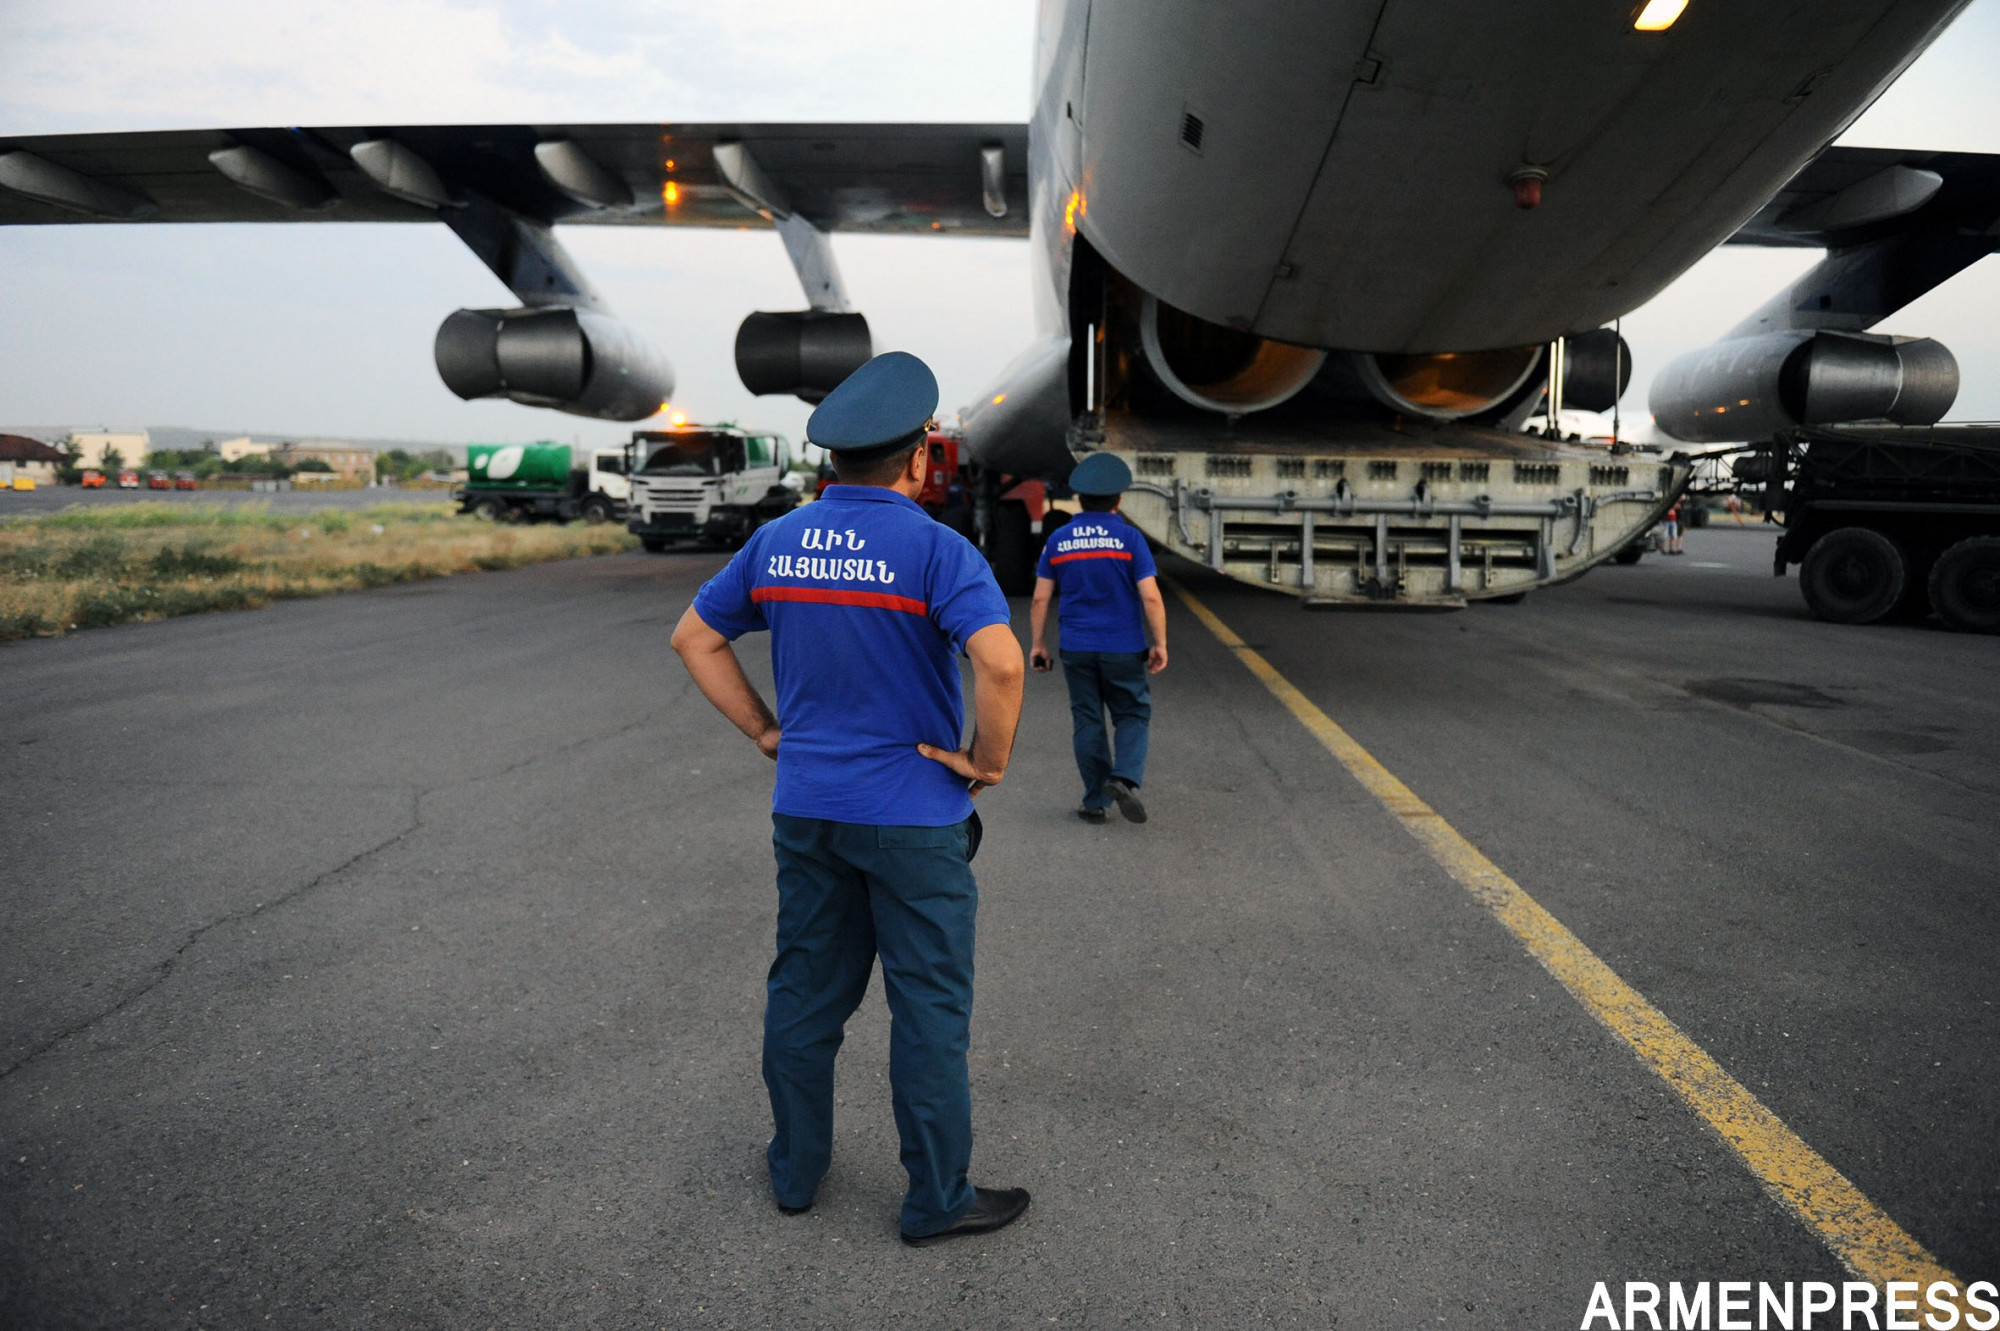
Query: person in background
[(1113, 635), (1671, 529)]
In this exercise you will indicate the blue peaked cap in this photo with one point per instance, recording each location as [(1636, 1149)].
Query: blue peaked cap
[(1101, 474), (877, 408)]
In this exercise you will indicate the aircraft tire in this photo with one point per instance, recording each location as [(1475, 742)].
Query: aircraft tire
[(1853, 575), (1965, 585), (1631, 554)]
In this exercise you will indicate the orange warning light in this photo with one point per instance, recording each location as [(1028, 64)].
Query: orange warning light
[(671, 193), (1069, 210)]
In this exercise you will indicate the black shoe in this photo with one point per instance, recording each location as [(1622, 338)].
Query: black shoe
[(795, 1210), (992, 1208), (1118, 788), (1090, 815)]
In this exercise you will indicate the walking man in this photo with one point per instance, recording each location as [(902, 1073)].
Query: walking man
[(869, 603), (1113, 635)]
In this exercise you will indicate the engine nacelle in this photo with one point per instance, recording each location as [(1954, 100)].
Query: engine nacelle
[(1597, 367), (576, 361), (1752, 387), (1218, 368), (804, 352)]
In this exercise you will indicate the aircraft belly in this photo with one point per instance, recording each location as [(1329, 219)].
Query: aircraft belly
[(1203, 128), (1352, 184)]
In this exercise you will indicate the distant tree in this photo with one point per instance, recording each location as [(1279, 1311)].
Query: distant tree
[(313, 464), (111, 459)]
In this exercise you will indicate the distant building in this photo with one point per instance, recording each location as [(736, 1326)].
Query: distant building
[(132, 446), (235, 450), (21, 456), (348, 462)]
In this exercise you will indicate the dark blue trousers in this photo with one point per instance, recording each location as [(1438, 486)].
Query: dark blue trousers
[(1114, 682), (848, 893)]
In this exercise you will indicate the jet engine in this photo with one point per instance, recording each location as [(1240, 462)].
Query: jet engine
[(1446, 385), (573, 360), (1752, 387), (805, 352), (1218, 368)]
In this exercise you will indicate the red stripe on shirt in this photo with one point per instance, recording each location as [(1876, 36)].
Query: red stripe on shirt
[(840, 596), (1091, 554)]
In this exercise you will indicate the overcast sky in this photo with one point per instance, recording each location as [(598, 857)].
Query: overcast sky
[(326, 329)]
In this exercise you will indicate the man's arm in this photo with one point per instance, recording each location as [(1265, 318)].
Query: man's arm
[(1156, 624), (996, 709), (709, 657), (1038, 622)]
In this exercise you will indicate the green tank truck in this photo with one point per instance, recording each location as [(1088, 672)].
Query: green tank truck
[(527, 482)]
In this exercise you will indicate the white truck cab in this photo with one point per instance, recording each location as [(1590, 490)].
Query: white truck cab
[(714, 483)]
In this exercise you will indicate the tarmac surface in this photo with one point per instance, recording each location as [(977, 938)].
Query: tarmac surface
[(395, 960)]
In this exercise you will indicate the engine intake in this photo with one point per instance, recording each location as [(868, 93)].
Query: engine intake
[(1218, 368), (806, 353), (1447, 385), (1752, 387), (572, 360)]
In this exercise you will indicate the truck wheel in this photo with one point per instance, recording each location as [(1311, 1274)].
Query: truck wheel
[(1011, 548), (1853, 575), (1965, 585), (597, 510), (655, 545), (488, 510)]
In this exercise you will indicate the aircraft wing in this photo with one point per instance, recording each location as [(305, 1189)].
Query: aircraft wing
[(1847, 196), (866, 178)]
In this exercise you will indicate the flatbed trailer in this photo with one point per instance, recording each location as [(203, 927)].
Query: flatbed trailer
[(1888, 521), (1366, 515)]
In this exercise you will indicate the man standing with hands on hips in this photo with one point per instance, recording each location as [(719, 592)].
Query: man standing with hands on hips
[(869, 603), (1114, 634)]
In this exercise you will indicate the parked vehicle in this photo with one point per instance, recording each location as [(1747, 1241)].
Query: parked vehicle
[(159, 480), (128, 480), (1886, 520), (714, 483), (527, 482), (92, 480), (184, 480)]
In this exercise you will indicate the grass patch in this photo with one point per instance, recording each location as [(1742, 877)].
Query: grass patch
[(90, 568)]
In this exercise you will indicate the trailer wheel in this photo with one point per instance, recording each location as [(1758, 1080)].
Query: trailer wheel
[(488, 510), (1011, 548), (1853, 575), (1965, 585)]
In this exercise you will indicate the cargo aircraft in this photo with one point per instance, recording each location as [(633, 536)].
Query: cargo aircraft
[(1309, 265)]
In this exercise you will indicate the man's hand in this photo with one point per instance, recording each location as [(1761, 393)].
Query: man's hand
[(717, 673), (1039, 658), (963, 762), (995, 654), (1154, 607)]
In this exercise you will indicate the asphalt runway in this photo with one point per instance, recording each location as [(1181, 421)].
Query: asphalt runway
[(395, 960)]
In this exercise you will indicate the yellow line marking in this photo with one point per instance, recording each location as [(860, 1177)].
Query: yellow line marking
[(1867, 1242)]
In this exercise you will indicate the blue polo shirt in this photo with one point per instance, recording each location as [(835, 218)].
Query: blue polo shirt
[(1097, 561), (869, 602)]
